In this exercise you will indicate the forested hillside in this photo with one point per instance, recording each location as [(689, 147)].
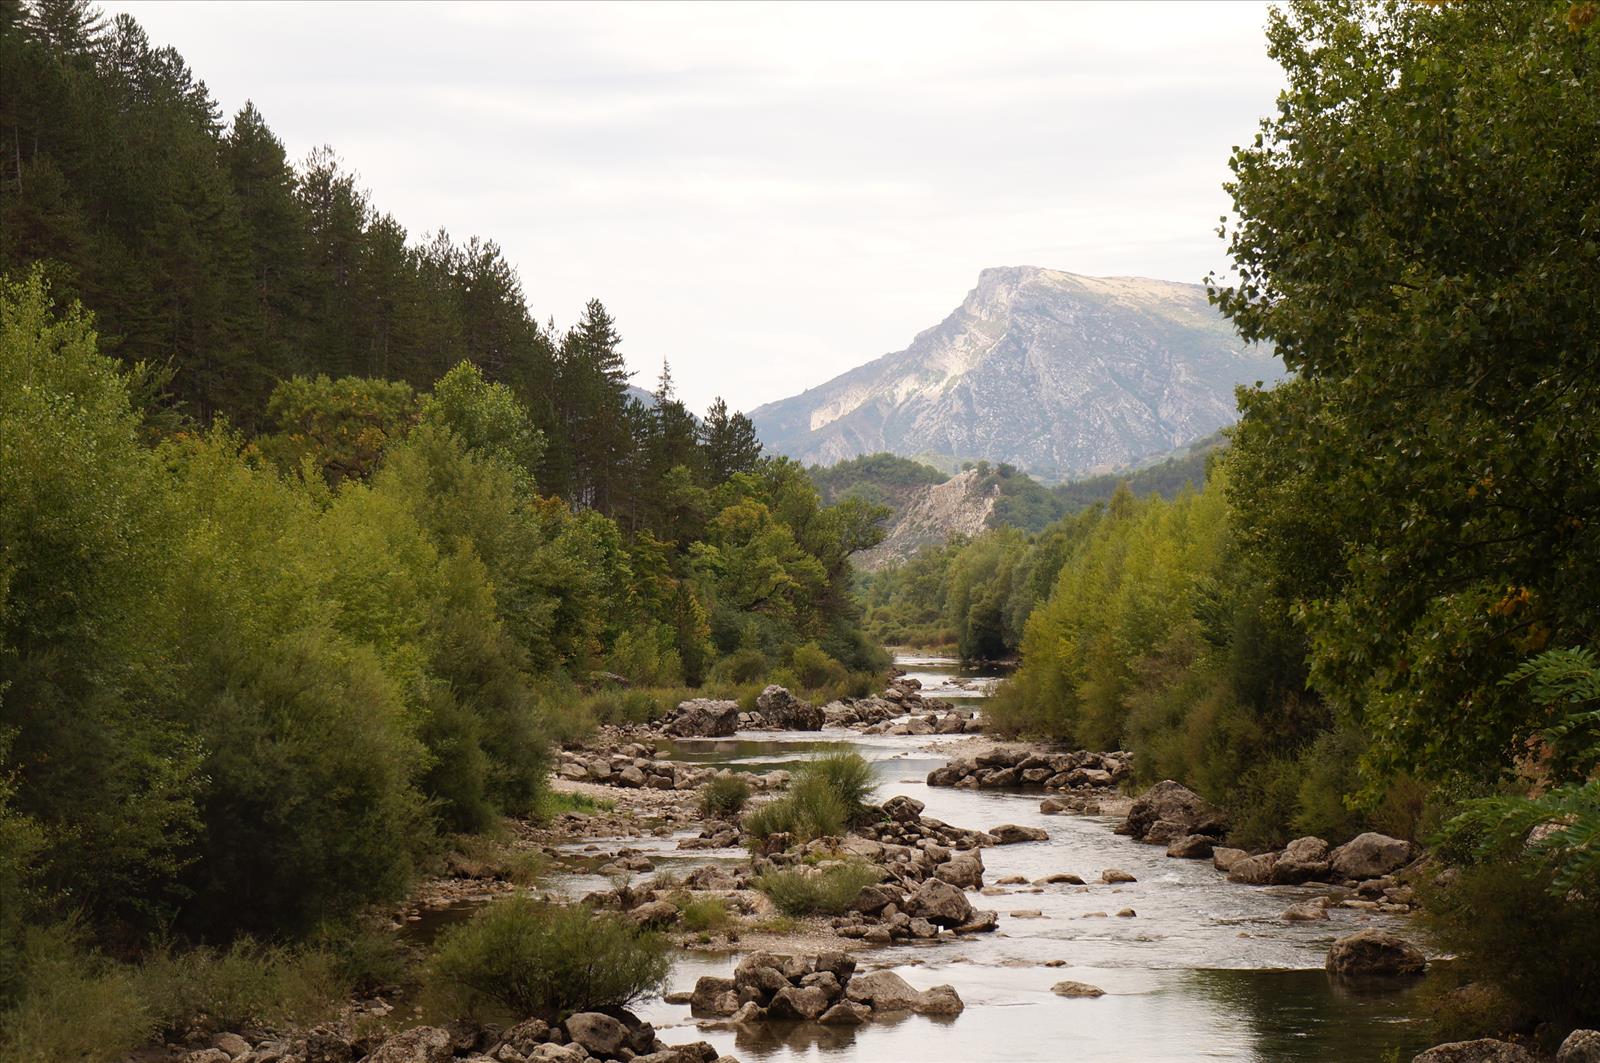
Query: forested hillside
[(313, 539)]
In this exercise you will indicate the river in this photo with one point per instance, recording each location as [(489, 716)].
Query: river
[(1206, 970)]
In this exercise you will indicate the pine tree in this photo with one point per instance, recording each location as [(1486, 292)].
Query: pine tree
[(730, 443)]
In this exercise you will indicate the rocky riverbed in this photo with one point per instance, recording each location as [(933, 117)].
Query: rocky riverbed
[(1017, 888)]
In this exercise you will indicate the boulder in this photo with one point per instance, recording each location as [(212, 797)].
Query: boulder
[(1011, 834), (939, 903), (1112, 875), (551, 1053), (1374, 952), (655, 915), (597, 1034), (873, 899), (1253, 870), (783, 709), (1173, 803), (839, 964), (941, 1000), (1051, 806), (631, 777), (232, 1044), (522, 1037), (845, 1013), (964, 871), (903, 809), (1223, 858), (1307, 911), (207, 1055), (704, 718), (1369, 855), (1302, 860), (1484, 1050), (1059, 877), (980, 923), (798, 1004), (1077, 989), (713, 996), (883, 991), (1581, 1046), (1192, 847), (421, 1044)]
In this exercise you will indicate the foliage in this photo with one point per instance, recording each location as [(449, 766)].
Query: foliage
[(847, 775), (702, 913), (526, 959), (813, 891), (724, 796), (1415, 232)]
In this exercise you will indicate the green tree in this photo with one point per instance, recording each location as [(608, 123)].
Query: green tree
[(1417, 235)]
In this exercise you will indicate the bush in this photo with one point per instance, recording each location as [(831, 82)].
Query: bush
[(74, 1005), (848, 775), (741, 668), (525, 959), (702, 913), (724, 796), (809, 891), (813, 669)]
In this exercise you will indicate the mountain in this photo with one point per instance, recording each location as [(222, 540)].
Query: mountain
[(1059, 374), (962, 505)]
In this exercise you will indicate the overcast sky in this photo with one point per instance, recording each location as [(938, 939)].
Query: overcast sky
[(765, 194)]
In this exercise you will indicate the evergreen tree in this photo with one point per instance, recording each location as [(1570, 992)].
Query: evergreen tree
[(730, 443)]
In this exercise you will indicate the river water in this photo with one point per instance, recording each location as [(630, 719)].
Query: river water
[(1206, 970)]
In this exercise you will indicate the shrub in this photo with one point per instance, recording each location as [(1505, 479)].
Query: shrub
[(741, 668), (702, 913), (526, 959), (774, 817), (848, 775), (809, 891), (554, 804), (813, 669), (74, 1005), (724, 796)]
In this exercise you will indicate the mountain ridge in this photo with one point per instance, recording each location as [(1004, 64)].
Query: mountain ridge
[(1060, 374)]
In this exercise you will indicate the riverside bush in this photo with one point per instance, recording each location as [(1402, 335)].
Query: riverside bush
[(524, 959), (724, 796), (809, 891)]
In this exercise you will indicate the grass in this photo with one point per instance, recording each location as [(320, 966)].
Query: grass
[(828, 796), (554, 803), (703, 913), (808, 891), (724, 796)]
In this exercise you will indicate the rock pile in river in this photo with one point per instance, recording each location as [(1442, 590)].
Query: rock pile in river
[(1019, 766), (823, 988), (638, 766)]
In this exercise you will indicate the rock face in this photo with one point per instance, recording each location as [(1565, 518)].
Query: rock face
[(1370, 856), (1374, 952), (1055, 373), (787, 712), (1169, 811), (704, 718), (1484, 1050)]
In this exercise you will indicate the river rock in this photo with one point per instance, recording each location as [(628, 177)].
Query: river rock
[(599, 1035), (1060, 877), (1077, 989), (800, 1004), (1192, 847), (964, 871), (1113, 875), (1307, 911), (980, 923), (1370, 855), (903, 809), (1253, 870), (783, 709), (845, 1013), (1302, 860), (713, 996), (655, 915), (421, 1044), (1011, 834), (704, 718), (1223, 858), (1051, 806), (1581, 1046), (939, 903), (554, 1053), (1176, 805), (1374, 952), (941, 1000), (1484, 1050), (873, 899)]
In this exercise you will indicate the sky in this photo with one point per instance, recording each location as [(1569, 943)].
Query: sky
[(765, 195)]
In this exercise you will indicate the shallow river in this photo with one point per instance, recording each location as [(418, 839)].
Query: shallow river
[(1207, 970)]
